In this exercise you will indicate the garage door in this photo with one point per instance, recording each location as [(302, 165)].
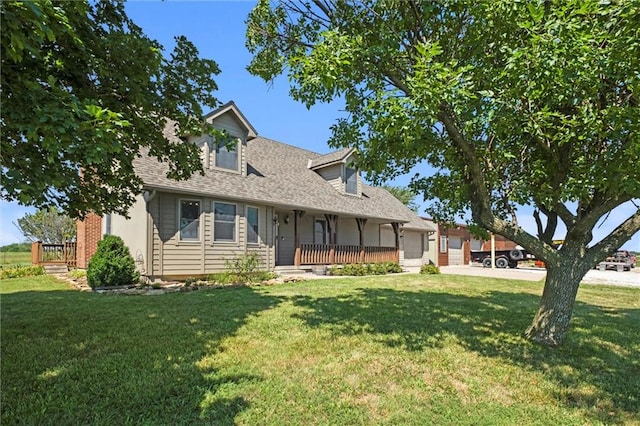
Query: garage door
[(455, 251), (412, 248)]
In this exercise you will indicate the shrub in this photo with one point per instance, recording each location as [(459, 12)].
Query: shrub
[(429, 269), (243, 269), (360, 269), (244, 264), (21, 272), (112, 264)]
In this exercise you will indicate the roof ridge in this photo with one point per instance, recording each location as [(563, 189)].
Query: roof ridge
[(297, 148)]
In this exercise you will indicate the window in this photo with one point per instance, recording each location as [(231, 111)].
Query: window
[(189, 220), (252, 225), (224, 222), (320, 232), (443, 244), (227, 156), (351, 181)]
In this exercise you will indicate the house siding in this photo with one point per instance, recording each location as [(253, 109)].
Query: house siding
[(173, 257), (333, 175), (133, 231), (372, 234), (348, 233)]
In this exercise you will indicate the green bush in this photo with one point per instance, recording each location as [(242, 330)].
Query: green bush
[(360, 269), (21, 272), (429, 269), (112, 264), (242, 269), (244, 264)]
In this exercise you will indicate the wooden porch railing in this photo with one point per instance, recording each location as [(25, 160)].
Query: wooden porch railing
[(46, 254), (326, 254)]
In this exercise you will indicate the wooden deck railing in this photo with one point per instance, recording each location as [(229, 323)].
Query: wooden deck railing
[(46, 254), (325, 254)]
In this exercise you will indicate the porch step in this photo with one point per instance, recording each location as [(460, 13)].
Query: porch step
[(290, 270), (55, 269)]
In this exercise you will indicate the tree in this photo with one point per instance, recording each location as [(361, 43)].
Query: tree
[(404, 194), (514, 104), (47, 225), (84, 89)]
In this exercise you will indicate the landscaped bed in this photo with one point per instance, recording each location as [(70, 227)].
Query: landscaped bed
[(410, 349)]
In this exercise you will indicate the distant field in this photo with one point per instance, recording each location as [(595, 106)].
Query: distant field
[(11, 259)]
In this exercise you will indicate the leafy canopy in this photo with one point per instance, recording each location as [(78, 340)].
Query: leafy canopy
[(513, 103), (84, 89), (404, 194), (47, 225)]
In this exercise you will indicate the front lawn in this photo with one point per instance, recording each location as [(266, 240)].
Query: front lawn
[(409, 349)]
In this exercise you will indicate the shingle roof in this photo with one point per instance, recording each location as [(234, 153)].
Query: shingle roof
[(330, 158), (278, 175)]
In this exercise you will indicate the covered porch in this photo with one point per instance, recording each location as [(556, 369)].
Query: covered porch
[(313, 238)]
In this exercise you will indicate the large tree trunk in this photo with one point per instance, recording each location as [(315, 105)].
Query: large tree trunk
[(551, 323)]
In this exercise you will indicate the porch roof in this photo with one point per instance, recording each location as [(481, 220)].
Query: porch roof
[(278, 175)]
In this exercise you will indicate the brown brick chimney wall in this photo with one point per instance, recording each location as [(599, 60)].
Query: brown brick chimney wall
[(89, 233)]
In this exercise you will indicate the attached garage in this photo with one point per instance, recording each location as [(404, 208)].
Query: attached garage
[(413, 243), (456, 255)]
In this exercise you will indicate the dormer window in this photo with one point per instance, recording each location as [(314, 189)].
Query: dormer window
[(351, 181), (226, 156)]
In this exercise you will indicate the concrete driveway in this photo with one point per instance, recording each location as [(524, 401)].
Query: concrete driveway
[(627, 278)]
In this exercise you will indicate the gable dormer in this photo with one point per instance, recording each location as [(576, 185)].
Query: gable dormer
[(229, 157), (337, 168)]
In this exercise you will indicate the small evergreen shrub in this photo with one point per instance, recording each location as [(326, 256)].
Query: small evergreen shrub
[(429, 269), (21, 272), (112, 264)]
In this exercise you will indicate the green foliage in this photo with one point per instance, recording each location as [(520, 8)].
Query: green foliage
[(112, 264), (511, 103), (77, 273), (16, 248), (47, 225), (244, 264), (85, 89), (241, 270), (21, 271), (429, 269), (404, 194), (362, 269)]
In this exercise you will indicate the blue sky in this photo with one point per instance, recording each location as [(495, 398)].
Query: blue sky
[(218, 31)]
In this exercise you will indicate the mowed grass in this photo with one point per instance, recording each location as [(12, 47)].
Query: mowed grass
[(391, 350), (11, 259)]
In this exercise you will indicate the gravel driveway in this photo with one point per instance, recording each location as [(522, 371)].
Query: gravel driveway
[(627, 278)]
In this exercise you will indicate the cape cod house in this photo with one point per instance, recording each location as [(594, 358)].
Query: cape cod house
[(293, 207)]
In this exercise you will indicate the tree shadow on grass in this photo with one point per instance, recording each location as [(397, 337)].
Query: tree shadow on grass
[(78, 358), (597, 351)]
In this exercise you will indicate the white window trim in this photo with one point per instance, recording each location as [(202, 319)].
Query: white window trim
[(238, 168), (213, 224), (197, 241), (246, 219), (356, 174), (443, 243)]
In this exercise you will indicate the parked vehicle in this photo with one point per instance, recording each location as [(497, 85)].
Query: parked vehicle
[(504, 258), (621, 260)]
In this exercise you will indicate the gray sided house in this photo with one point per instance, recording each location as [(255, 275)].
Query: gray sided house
[(294, 208)]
